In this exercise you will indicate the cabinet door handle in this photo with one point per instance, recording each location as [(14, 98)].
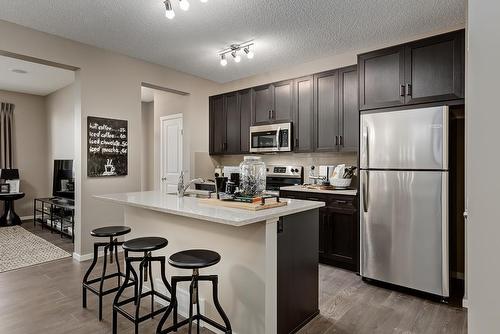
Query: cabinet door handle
[(296, 142), (341, 141), (269, 114), (402, 90), (336, 140), (408, 89), (273, 116), (341, 202)]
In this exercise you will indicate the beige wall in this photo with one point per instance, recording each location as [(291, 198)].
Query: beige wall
[(30, 149), (147, 157), (109, 85), (483, 118), (60, 110)]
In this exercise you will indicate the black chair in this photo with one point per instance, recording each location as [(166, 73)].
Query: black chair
[(145, 246), (110, 232), (194, 259)]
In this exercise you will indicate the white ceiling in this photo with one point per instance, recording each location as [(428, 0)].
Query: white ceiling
[(39, 79), (286, 32)]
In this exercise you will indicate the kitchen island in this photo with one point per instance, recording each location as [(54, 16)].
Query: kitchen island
[(269, 269)]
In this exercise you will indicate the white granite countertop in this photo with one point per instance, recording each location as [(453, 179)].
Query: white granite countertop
[(348, 192), (193, 208)]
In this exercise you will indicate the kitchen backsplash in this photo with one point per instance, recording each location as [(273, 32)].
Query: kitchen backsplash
[(301, 159)]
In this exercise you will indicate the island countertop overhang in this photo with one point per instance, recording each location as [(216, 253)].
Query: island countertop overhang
[(193, 208)]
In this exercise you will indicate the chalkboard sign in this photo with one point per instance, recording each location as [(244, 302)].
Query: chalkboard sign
[(107, 144)]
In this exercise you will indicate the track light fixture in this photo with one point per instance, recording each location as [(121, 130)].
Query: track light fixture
[(183, 4), (223, 60), (235, 51), (169, 11)]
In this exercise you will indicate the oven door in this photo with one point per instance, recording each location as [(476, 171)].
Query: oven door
[(270, 138)]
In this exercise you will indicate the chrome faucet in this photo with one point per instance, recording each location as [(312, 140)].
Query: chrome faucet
[(181, 187)]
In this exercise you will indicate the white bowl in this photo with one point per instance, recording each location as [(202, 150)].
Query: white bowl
[(340, 183)]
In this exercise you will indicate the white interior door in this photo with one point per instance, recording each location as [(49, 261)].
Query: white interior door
[(170, 152)]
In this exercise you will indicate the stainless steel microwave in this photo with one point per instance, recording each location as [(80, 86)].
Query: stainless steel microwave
[(271, 138)]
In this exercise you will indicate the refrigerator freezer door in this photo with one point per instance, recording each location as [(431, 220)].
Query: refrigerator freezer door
[(404, 229), (405, 139)]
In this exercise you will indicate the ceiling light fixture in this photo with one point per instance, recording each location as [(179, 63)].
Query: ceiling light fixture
[(234, 50), (184, 4), (169, 11), (204, 1), (223, 60)]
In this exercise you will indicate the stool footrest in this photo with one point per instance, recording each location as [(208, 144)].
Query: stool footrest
[(194, 318), (98, 279)]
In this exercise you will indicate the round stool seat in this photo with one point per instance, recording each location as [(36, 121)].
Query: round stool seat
[(146, 244), (110, 231), (194, 259)]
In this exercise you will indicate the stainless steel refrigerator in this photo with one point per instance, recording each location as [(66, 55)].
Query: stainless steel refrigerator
[(404, 198)]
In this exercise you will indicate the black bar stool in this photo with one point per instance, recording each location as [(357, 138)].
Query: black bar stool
[(110, 232), (194, 259), (146, 246)]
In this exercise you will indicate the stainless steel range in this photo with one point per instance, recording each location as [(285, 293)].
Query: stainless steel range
[(282, 176)]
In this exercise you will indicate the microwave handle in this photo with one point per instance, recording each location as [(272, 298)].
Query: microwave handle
[(278, 138)]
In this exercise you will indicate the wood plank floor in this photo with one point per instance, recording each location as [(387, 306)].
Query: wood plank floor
[(47, 299)]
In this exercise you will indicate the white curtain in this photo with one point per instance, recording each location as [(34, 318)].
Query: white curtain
[(6, 128)]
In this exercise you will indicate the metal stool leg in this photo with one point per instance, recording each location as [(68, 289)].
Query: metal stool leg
[(101, 285), (215, 292), (120, 292), (87, 274)]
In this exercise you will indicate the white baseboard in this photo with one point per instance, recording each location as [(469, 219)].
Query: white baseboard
[(465, 303), (183, 304), (89, 256)]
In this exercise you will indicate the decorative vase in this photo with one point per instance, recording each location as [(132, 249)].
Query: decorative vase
[(252, 176)]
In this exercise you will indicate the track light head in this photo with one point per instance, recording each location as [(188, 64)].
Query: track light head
[(169, 11), (249, 52), (184, 4), (236, 57), (223, 60)]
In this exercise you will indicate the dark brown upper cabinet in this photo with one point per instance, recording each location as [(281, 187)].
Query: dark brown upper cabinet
[(245, 119), (303, 128), (428, 70), (381, 78), (348, 109), (283, 102), (272, 103), (326, 111), (435, 68), (217, 121), (262, 104), (232, 116)]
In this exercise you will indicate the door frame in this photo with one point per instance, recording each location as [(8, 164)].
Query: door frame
[(181, 157)]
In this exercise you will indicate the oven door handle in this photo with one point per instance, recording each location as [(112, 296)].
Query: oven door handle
[(278, 138)]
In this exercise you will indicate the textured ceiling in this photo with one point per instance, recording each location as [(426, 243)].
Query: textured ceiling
[(39, 79), (286, 32)]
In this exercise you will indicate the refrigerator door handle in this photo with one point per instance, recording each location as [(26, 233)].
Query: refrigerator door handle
[(364, 149), (445, 136), (365, 185), (445, 237)]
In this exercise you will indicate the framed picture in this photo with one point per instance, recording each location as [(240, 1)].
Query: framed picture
[(107, 142), (14, 185), (4, 188)]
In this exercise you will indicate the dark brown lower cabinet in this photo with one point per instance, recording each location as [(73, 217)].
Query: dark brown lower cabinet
[(298, 280), (338, 228)]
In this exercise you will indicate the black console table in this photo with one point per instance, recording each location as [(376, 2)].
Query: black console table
[(55, 213), (10, 217)]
